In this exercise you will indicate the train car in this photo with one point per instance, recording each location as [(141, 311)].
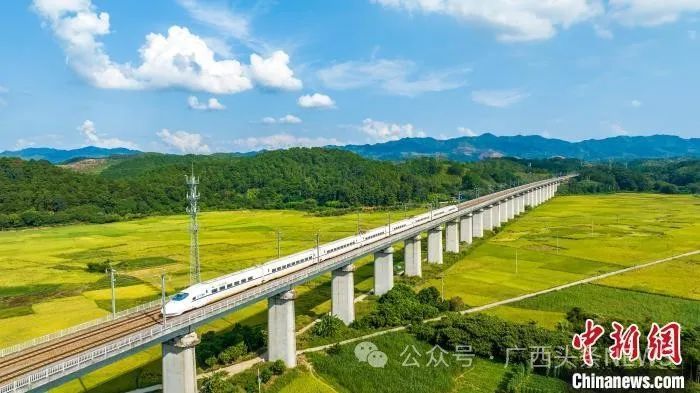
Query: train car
[(339, 247), (206, 292), (289, 264), (400, 226)]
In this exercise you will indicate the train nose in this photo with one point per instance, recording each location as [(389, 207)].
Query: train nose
[(173, 309)]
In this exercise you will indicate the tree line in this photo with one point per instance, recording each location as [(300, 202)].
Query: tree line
[(37, 193)]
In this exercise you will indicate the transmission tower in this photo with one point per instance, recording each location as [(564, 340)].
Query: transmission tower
[(192, 210)]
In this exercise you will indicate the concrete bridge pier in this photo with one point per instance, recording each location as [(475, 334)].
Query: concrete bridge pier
[(503, 213), (486, 219), (343, 293), (496, 215), (452, 236), (528, 199), (511, 208), (179, 365), (465, 228), (412, 257), (521, 204), (383, 271), (478, 223), (281, 339), (435, 245)]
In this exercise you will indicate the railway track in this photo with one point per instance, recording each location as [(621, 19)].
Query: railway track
[(24, 362)]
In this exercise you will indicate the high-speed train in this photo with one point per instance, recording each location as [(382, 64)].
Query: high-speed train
[(201, 294)]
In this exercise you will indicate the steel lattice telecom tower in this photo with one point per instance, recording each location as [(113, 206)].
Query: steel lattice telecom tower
[(193, 209)]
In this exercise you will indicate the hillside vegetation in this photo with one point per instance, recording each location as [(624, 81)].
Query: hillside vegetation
[(37, 193)]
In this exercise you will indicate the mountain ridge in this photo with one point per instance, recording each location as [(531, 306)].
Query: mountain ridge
[(466, 148)]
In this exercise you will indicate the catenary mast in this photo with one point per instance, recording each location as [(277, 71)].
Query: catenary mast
[(193, 209)]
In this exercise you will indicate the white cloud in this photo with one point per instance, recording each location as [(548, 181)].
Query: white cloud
[(274, 72), (602, 31), (522, 20), (185, 142), (3, 89), (393, 76), (650, 12), (227, 22), (23, 144), (636, 103), (221, 18), (615, 128), (94, 139), (316, 100), (210, 105), (692, 34), (466, 131), (381, 131), (179, 59), (281, 141), (498, 98), (286, 119)]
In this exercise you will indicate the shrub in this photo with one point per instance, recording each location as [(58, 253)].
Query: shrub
[(98, 267), (230, 354), (400, 306), (211, 361), (278, 367), (328, 326), (456, 304), (265, 375), (334, 349), (217, 383)]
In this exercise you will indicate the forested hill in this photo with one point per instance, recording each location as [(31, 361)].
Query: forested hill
[(473, 148), (36, 193)]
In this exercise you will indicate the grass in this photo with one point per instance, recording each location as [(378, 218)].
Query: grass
[(617, 303), (345, 373), (41, 265), (573, 237), (677, 278), (567, 239)]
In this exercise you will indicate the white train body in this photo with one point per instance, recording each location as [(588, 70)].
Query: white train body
[(204, 293)]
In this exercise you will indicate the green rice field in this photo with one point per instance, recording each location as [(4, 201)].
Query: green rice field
[(45, 285)]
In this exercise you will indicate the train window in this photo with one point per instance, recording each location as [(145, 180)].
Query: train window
[(236, 283), (215, 290), (180, 296), (221, 288), (250, 278), (229, 286)]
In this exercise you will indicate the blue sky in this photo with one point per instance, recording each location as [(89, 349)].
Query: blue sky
[(206, 76)]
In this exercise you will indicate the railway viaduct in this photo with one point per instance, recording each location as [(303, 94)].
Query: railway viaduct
[(51, 360)]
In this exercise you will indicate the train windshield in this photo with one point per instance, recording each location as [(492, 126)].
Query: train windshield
[(180, 296)]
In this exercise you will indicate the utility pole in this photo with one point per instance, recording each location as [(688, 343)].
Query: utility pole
[(318, 243), (193, 209), (389, 214), (112, 282), (358, 223), (278, 244), (162, 295), (516, 261)]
